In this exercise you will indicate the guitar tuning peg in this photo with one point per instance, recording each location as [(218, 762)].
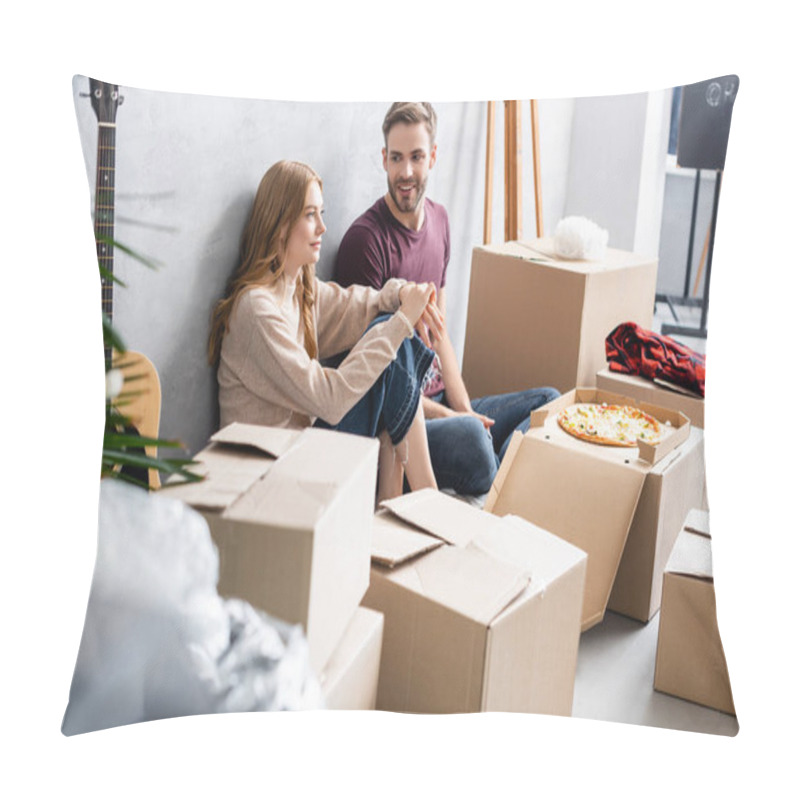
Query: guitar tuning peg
[(84, 94)]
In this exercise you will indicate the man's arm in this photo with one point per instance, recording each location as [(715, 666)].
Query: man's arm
[(454, 388)]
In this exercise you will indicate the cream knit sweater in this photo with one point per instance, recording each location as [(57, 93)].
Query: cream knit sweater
[(265, 375)]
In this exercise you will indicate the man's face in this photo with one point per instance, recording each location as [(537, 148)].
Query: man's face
[(407, 159)]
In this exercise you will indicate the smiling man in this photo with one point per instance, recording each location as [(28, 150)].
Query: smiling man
[(404, 234)]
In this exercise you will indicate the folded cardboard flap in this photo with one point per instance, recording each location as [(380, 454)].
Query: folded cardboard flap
[(495, 560), (697, 521), (447, 518), (272, 441), (691, 556), (394, 542)]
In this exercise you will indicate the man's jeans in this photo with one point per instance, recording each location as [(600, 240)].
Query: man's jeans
[(466, 456)]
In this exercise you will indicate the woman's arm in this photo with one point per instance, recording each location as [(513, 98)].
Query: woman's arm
[(343, 314), (276, 367)]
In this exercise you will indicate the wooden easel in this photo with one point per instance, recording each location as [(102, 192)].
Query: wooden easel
[(513, 169)]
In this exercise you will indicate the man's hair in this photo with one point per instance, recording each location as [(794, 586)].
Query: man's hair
[(410, 114)]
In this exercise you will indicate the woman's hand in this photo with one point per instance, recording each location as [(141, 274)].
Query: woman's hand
[(418, 303)]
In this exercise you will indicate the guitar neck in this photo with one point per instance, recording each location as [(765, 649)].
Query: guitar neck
[(104, 209)]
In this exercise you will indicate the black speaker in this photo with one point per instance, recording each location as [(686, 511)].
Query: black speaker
[(705, 122)]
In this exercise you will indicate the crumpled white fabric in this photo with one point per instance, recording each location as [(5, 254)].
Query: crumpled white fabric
[(580, 238), (158, 640)]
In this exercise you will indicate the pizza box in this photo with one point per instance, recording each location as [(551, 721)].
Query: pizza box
[(585, 493), (349, 680), (658, 393), (690, 660), (481, 613), (535, 319), (290, 512)]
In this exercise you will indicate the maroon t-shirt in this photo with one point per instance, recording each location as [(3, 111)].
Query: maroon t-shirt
[(377, 247)]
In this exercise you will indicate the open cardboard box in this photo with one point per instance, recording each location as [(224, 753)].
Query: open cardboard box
[(291, 515), (690, 661), (480, 613), (535, 319), (349, 680), (585, 493)]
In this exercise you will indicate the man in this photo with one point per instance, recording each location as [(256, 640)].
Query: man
[(407, 235)]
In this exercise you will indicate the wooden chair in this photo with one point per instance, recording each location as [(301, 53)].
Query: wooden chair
[(141, 400)]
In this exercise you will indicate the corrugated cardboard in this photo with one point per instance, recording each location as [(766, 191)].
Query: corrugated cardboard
[(584, 493), (481, 613), (291, 514), (535, 319), (690, 661), (350, 678), (672, 487), (655, 393)]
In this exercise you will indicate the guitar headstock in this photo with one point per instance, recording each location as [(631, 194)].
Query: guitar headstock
[(105, 99)]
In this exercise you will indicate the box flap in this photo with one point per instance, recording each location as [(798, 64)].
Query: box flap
[(697, 521), (304, 481), (228, 475), (589, 502), (272, 441), (394, 542), (520, 542), (543, 250), (466, 580), (691, 556), (445, 517)]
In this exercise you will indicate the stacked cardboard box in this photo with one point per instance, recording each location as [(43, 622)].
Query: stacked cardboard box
[(591, 495), (481, 613), (291, 514), (690, 661), (535, 319)]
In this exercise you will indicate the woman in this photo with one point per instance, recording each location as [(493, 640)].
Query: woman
[(277, 320)]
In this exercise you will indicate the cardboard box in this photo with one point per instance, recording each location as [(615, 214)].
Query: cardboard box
[(290, 513), (481, 613), (535, 319), (655, 393), (690, 661), (350, 678), (582, 492), (671, 488)]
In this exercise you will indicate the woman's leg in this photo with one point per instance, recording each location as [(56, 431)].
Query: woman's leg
[(390, 469), (409, 457), (419, 469)]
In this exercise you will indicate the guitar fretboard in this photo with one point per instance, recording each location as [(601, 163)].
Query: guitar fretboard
[(104, 209)]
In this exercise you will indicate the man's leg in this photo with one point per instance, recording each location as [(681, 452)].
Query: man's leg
[(462, 454), (512, 412)]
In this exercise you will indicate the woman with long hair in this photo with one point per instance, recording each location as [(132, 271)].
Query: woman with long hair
[(277, 321)]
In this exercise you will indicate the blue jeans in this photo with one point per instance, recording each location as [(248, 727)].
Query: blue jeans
[(465, 456), (392, 401)]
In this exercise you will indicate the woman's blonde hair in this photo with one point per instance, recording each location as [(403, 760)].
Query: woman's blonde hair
[(278, 204)]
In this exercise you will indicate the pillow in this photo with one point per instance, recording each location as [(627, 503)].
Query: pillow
[(185, 170)]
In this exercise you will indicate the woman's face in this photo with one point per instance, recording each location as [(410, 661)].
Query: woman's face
[(305, 236)]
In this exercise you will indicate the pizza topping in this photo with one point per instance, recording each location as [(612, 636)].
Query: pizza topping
[(610, 424)]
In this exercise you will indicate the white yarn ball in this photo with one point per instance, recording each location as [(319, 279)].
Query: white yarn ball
[(580, 238)]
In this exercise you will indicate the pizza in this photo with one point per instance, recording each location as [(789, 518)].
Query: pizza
[(601, 423)]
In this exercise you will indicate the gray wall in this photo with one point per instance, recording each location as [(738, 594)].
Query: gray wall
[(188, 167)]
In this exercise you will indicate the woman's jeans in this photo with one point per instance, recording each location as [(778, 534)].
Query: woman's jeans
[(392, 401), (464, 454)]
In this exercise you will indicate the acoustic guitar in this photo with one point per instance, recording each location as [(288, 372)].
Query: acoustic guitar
[(141, 404)]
